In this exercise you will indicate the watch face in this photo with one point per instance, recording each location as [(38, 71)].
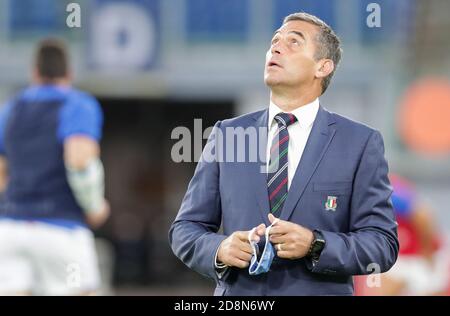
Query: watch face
[(318, 247)]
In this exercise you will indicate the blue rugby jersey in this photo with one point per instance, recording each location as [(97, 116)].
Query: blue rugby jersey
[(33, 127)]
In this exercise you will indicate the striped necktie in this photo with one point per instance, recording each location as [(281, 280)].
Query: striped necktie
[(277, 176)]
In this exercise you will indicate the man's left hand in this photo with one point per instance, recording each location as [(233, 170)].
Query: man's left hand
[(291, 240)]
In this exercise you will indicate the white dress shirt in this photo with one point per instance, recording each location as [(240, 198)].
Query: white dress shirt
[(298, 133)]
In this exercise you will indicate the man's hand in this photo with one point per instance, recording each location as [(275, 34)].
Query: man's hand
[(235, 250), (291, 240), (98, 218)]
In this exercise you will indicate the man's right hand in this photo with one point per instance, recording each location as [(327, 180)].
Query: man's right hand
[(235, 250)]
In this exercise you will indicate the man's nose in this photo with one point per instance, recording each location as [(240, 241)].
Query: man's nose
[(275, 49)]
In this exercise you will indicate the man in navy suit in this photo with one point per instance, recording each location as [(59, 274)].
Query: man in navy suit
[(322, 188)]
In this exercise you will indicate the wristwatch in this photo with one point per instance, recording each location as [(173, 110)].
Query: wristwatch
[(317, 246)]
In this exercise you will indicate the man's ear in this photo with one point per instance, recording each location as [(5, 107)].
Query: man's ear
[(69, 76), (324, 68), (35, 78)]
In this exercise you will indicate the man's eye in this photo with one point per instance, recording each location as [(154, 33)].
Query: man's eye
[(274, 41), (295, 41)]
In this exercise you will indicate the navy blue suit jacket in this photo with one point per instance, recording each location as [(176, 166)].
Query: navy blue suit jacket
[(342, 159)]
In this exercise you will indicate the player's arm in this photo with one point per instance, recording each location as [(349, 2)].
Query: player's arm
[(86, 178), (423, 222), (80, 132), (3, 173), (4, 114)]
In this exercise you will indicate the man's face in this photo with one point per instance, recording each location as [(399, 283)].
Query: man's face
[(290, 59)]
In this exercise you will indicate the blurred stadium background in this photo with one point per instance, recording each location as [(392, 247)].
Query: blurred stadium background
[(156, 64)]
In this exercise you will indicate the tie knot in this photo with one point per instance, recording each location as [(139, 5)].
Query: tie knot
[(285, 119)]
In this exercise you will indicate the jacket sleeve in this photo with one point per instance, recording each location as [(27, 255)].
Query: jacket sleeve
[(371, 245), (193, 235)]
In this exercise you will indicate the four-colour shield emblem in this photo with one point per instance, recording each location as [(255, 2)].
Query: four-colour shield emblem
[(331, 203)]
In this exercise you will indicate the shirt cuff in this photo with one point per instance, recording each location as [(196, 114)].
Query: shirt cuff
[(221, 268)]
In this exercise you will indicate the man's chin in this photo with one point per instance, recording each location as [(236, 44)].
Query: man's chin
[(272, 82)]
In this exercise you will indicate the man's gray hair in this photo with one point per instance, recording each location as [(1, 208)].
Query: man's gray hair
[(329, 45)]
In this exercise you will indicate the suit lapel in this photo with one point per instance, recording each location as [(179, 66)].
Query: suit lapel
[(258, 175), (316, 146)]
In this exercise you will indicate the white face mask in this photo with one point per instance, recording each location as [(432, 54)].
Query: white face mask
[(267, 256)]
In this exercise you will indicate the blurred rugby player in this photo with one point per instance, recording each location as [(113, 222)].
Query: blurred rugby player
[(54, 183)]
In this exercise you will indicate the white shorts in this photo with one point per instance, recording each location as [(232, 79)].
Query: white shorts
[(44, 259)]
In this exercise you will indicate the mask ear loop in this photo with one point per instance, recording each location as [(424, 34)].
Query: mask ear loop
[(270, 227), (250, 234), (252, 243)]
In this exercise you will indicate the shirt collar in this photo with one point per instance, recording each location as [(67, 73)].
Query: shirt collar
[(305, 114), (45, 92)]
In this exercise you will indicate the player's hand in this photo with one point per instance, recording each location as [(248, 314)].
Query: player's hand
[(98, 218), (291, 240), (235, 250)]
